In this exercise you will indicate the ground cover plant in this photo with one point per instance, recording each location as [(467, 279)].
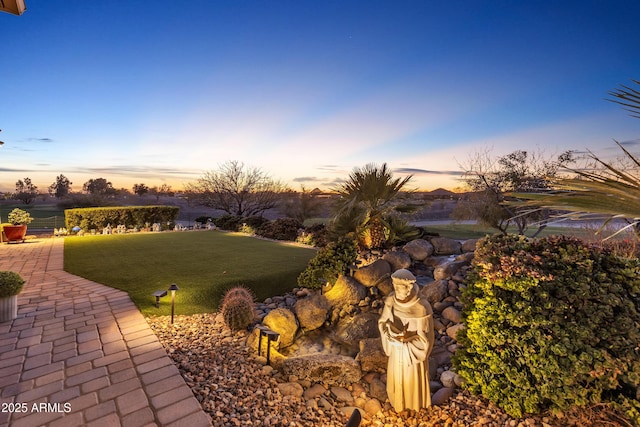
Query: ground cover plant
[(203, 264), (551, 323)]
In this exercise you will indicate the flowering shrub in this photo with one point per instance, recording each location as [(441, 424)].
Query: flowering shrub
[(550, 324)]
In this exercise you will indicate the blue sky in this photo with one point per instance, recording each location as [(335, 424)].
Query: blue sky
[(160, 92)]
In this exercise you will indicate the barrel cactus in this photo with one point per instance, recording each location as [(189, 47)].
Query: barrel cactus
[(237, 308)]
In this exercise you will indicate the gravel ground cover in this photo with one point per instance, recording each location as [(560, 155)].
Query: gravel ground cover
[(237, 388)]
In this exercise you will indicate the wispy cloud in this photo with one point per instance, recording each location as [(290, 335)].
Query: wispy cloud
[(131, 170), (21, 170), (45, 140), (416, 171), (631, 142), (306, 179)]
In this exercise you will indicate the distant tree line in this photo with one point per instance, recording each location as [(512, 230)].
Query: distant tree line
[(95, 192)]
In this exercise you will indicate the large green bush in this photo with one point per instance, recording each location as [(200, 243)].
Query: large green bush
[(131, 216), (550, 324), (330, 262), (229, 222), (281, 229)]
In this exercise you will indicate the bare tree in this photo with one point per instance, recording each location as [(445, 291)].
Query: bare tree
[(493, 180), (237, 189)]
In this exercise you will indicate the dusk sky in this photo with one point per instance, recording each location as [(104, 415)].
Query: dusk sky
[(159, 92)]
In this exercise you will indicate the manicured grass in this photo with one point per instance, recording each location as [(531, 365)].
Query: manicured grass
[(204, 264)]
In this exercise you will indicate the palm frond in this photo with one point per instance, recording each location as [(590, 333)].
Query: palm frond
[(628, 98)]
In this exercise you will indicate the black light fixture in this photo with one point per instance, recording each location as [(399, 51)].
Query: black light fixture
[(173, 288), (271, 336), (158, 295)]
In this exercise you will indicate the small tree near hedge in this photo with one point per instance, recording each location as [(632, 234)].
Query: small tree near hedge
[(550, 324)]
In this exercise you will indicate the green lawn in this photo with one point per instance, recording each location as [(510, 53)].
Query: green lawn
[(203, 264)]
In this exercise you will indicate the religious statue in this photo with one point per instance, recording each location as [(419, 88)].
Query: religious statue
[(406, 329)]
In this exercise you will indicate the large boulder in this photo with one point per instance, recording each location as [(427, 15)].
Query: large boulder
[(452, 314), (418, 249), (373, 273), (346, 291), (311, 311), (446, 246), (323, 368), (436, 291), (452, 331), (385, 286), (469, 245), (397, 260), (447, 269), (371, 356), (350, 330), (282, 321)]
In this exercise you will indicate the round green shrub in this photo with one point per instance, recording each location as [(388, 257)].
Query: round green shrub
[(550, 324), (314, 235), (10, 283), (255, 221), (330, 262), (281, 229), (228, 222), (19, 217)]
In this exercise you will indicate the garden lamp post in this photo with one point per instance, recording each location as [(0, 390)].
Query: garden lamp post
[(173, 288)]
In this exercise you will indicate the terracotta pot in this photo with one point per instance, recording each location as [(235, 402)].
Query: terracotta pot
[(8, 308), (15, 233)]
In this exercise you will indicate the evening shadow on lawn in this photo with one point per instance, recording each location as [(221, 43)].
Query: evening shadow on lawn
[(203, 264)]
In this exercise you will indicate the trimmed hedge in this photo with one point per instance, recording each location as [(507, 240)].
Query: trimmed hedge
[(550, 324), (130, 216)]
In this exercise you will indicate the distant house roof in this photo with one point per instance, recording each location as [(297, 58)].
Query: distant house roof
[(441, 192), (15, 7)]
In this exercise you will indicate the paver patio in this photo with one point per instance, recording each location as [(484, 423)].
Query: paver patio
[(81, 354)]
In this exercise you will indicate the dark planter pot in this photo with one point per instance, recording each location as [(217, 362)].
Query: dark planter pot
[(8, 308), (15, 233)]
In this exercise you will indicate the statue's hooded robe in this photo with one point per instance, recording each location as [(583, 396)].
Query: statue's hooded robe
[(408, 368)]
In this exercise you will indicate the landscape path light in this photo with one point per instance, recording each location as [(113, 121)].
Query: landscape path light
[(173, 288)]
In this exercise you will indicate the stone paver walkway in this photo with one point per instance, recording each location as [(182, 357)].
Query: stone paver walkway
[(81, 354)]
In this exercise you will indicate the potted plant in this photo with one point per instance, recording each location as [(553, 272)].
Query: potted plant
[(19, 220), (10, 286)]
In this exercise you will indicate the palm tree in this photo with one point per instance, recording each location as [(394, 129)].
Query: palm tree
[(365, 202)]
